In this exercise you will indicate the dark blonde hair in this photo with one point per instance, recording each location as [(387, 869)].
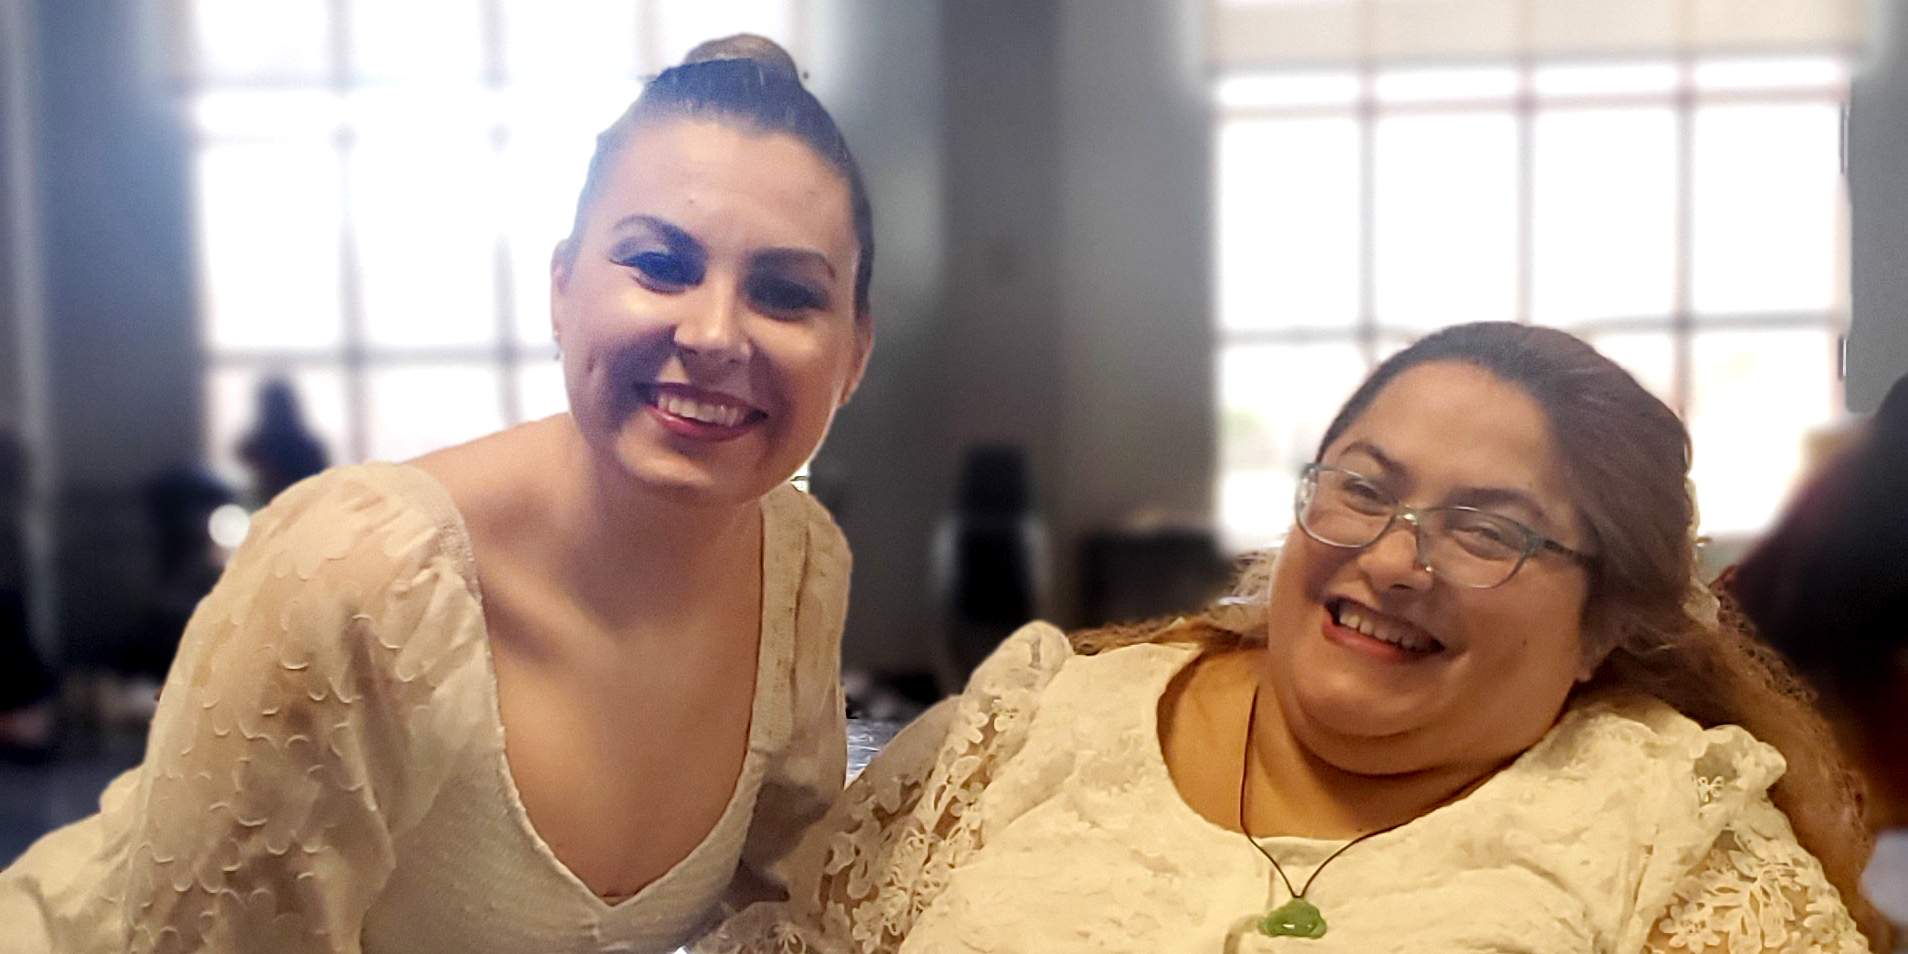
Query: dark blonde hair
[(751, 82), (1650, 623)]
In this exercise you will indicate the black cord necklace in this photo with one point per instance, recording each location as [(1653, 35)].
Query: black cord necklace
[(1297, 917)]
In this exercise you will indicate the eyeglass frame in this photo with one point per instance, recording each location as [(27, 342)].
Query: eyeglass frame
[(1533, 541)]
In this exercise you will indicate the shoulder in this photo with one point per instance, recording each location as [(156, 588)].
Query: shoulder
[(362, 526), (803, 518), (1722, 768)]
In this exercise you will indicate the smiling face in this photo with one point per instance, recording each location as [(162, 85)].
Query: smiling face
[(1449, 675), (706, 312)]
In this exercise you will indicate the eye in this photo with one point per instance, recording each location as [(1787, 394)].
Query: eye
[(784, 295), (664, 271), (1364, 495), (1486, 534)]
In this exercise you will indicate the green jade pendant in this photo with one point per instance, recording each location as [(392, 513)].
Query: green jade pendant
[(1295, 918)]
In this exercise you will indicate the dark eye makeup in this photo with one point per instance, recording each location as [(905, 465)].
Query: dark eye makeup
[(779, 295), (669, 269)]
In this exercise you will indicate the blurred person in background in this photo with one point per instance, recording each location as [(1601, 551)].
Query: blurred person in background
[(1828, 587), (572, 686), (280, 450), (1481, 701)]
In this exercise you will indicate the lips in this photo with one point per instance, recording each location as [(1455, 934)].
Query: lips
[(699, 413), (1359, 625)]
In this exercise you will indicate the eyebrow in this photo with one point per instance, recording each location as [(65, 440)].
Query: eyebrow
[(671, 234), (793, 257), (1463, 496), (676, 237)]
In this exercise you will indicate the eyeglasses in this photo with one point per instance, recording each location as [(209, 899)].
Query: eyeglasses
[(1462, 545)]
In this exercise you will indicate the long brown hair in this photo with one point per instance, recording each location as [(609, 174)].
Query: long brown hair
[(1649, 619)]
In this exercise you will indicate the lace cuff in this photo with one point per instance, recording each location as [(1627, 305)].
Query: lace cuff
[(884, 852), (1756, 892)]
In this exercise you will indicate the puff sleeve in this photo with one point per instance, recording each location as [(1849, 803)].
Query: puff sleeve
[(882, 854), (296, 740), (1756, 891)]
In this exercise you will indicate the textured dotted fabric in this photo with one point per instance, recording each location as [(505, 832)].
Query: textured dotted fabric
[(326, 770)]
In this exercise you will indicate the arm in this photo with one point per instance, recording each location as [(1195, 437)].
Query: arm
[(284, 759), (883, 852), (1756, 892)]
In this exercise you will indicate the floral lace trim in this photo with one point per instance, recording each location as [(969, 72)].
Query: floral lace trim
[(899, 836), (1756, 892)]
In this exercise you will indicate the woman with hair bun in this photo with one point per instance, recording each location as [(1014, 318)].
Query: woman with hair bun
[(570, 687), (1480, 702)]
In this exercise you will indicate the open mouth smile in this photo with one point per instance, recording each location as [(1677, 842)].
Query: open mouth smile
[(1357, 622), (698, 413)]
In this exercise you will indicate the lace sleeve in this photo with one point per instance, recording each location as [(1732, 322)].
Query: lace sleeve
[(1756, 892), (283, 761), (883, 853)]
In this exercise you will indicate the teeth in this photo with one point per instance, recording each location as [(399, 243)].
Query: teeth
[(1352, 619), (724, 415)]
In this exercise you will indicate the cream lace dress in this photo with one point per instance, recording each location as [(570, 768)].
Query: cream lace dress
[(1035, 813), (326, 771)]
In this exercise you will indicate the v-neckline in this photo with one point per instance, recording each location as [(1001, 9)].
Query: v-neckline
[(772, 653)]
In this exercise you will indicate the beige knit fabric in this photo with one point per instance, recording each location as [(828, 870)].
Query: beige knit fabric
[(326, 771)]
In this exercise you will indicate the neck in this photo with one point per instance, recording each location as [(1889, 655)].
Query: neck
[(1290, 790), (610, 532)]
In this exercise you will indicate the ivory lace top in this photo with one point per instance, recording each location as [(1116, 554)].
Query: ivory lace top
[(326, 770), (1035, 813)]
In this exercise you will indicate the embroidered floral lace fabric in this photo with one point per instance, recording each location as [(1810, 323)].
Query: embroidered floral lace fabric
[(1034, 813), (326, 772)]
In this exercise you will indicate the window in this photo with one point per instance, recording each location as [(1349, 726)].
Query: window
[(380, 183), (1685, 215)]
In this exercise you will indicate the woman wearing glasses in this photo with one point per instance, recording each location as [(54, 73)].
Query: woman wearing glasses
[(1479, 702)]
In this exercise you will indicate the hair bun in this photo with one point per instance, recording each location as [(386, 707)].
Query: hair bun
[(760, 50)]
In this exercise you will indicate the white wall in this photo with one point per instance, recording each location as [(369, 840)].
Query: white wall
[(1878, 192), (879, 71), (1040, 171), (1136, 239)]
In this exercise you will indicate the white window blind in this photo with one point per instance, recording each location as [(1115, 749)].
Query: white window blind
[(1261, 34)]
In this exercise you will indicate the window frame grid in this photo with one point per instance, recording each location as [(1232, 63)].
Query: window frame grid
[(355, 357), (1680, 324)]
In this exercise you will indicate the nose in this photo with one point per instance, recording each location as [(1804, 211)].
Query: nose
[(711, 327), (1395, 559)]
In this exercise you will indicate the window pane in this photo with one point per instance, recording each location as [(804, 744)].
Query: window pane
[(269, 224), (1784, 73), (1604, 214), (1446, 85), (421, 112), (1767, 199), (427, 241), (259, 114), (1755, 397), (1272, 90), (1275, 402), (246, 40), (1288, 223), (1445, 201), (540, 390), (415, 39), (231, 412), (685, 23), (1600, 79), (415, 409), (543, 171), (1650, 357), (546, 38)]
